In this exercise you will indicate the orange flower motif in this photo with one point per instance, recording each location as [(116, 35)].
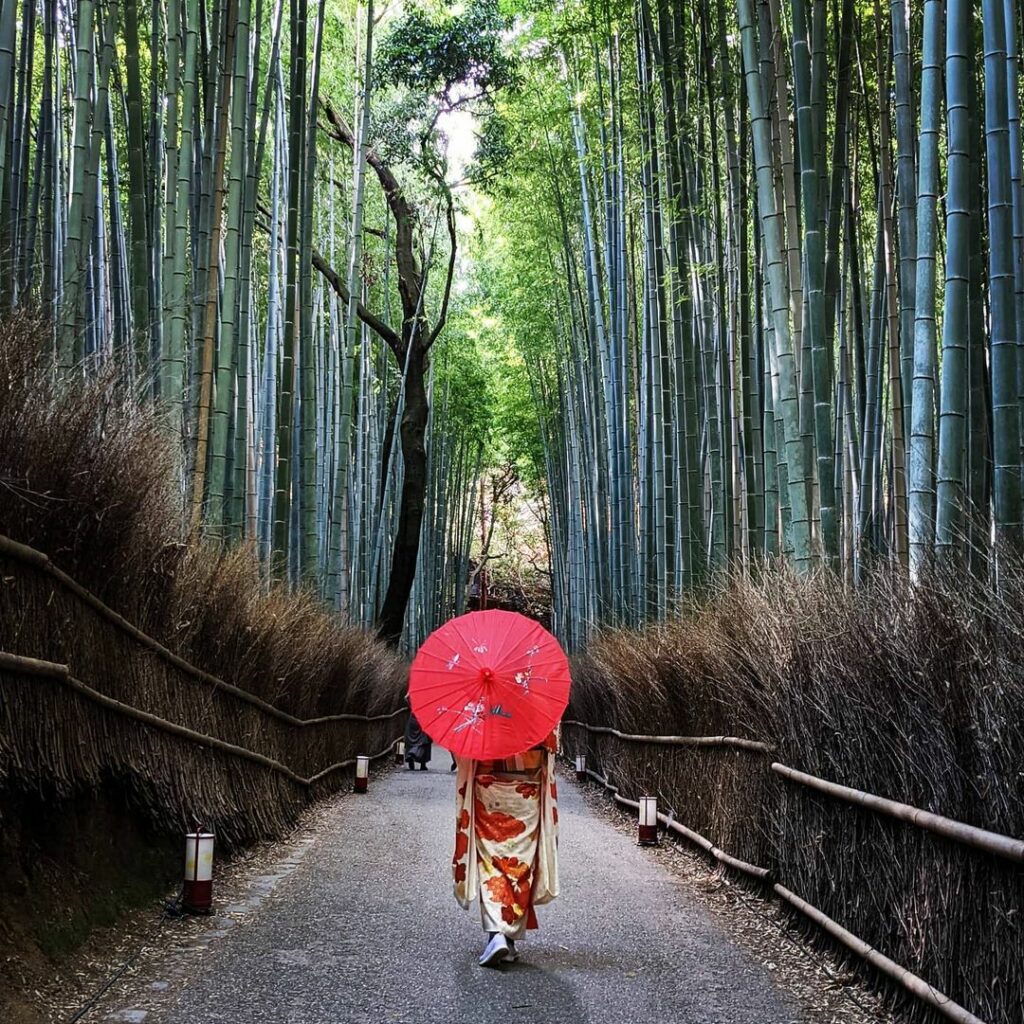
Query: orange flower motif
[(463, 821), (460, 873), (554, 814), (512, 867), (501, 890), (461, 846), (511, 888), (496, 825), (554, 791), (529, 790)]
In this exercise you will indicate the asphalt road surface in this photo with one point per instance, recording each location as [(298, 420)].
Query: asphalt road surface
[(358, 926)]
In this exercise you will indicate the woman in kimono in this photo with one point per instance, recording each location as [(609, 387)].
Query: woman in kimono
[(506, 838)]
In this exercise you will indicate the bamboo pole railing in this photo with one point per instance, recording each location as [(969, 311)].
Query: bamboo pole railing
[(990, 842), (958, 831), (678, 827), (40, 561), (911, 982), (676, 741), (33, 667)]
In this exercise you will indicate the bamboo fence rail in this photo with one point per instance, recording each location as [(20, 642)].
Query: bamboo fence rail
[(675, 741), (16, 665), (30, 556), (688, 833), (53, 617), (911, 982), (129, 716), (968, 836), (958, 831)]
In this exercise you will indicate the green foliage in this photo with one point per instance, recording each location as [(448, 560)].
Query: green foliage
[(494, 149), (462, 386), (482, 386), (436, 62), (455, 58)]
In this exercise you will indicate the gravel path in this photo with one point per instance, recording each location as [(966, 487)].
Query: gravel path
[(354, 923)]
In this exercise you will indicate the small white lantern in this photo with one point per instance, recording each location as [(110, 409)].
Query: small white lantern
[(362, 773), (399, 751), (197, 895), (581, 767), (648, 821)]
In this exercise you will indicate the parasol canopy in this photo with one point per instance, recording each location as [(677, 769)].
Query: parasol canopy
[(489, 684)]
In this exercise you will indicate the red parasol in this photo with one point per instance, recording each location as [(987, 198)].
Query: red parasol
[(489, 684)]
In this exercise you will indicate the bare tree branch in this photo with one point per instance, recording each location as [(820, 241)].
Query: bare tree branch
[(381, 329), (410, 275), (389, 336), (443, 315)]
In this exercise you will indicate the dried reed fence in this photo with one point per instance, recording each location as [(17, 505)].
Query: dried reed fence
[(91, 481), (882, 795), (87, 699)]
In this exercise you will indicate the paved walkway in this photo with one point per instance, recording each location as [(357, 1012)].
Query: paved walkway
[(359, 927)]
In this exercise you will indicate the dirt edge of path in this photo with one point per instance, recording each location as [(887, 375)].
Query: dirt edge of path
[(812, 972), (815, 976)]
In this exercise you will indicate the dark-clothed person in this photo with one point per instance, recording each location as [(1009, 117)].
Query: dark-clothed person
[(417, 745)]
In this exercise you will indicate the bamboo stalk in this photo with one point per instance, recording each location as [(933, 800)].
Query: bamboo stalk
[(212, 286)]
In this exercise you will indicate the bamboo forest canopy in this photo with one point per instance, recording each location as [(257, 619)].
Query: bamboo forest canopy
[(703, 286), (765, 264), (243, 208)]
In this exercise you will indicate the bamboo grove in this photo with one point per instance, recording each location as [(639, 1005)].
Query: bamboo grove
[(773, 282), (192, 193), (763, 261)]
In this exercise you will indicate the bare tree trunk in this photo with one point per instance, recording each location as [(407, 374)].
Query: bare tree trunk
[(410, 350), (414, 488)]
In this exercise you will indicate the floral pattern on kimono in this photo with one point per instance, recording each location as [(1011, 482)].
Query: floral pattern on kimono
[(506, 842)]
